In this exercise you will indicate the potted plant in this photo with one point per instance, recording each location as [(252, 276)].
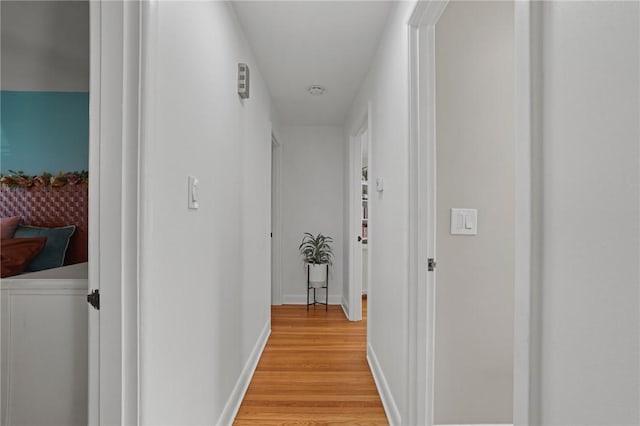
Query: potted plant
[(317, 253)]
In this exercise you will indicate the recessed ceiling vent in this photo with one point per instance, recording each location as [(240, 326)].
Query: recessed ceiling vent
[(316, 90)]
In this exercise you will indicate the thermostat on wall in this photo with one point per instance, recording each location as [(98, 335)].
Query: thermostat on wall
[(243, 80)]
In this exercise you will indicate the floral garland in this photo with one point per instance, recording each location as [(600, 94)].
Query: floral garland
[(21, 180)]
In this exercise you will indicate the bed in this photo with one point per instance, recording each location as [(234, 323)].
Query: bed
[(47, 207)]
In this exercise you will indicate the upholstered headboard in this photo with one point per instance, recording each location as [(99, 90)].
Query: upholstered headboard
[(53, 207)]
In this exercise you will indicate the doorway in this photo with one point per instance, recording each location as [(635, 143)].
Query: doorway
[(109, 52), (45, 152), (475, 214), (359, 220), (364, 211), (455, 128)]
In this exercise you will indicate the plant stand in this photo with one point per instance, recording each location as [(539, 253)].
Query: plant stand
[(326, 290)]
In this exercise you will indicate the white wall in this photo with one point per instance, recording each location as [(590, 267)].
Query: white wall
[(205, 277), (45, 45), (590, 355), (475, 169), (312, 201), (385, 88)]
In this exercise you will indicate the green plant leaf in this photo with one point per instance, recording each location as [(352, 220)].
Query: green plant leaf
[(316, 249)]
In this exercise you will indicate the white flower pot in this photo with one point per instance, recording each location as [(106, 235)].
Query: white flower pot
[(317, 275)]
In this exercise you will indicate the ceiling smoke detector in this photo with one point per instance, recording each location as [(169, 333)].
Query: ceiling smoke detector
[(316, 90)]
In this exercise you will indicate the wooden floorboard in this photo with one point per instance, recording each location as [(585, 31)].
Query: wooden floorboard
[(313, 371)]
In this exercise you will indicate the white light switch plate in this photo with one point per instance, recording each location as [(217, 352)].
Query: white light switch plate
[(464, 221)]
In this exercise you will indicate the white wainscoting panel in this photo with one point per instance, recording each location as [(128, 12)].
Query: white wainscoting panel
[(44, 352)]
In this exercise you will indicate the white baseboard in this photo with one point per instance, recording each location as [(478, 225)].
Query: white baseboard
[(345, 307), (301, 299), (389, 404), (483, 424), (237, 395)]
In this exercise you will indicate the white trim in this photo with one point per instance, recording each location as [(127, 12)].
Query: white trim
[(528, 209), (6, 405), (276, 228), (113, 211), (95, 30), (418, 373), (148, 98), (130, 231), (389, 404), (299, 299), (422, 212), (521, 372), (242, 384)]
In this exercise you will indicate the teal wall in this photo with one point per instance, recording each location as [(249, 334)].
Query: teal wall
[(44, 131)]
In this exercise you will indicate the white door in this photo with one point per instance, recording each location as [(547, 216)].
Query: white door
[(475, 221), (423, 198)]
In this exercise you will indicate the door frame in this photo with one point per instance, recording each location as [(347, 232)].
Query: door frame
[(114, 207), (276, 221), (354, 302), (422, 198)]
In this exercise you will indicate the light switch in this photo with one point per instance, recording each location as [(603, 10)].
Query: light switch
[(192, 193), (464, 221), (468, 223), (379, 184)]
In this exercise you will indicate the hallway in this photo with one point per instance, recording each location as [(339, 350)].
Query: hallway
[(188, 273), (313, 371)]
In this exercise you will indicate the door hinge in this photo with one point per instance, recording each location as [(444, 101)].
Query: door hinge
[(94, 299), (431, 264)]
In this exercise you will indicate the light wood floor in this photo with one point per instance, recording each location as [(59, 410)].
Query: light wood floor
[(313, 372)]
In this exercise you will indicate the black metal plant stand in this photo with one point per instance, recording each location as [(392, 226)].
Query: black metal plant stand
[(325, 286)]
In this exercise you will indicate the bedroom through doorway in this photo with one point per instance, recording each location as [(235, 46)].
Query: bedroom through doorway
[(44, 205)]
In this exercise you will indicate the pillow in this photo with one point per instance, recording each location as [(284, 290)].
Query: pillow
[(8, 226), (52, 256), (17, 253)]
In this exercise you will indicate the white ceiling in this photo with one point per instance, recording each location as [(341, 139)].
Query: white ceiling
[(300, 43)]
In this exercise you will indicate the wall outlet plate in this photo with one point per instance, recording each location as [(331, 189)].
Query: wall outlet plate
[(243, 80)]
